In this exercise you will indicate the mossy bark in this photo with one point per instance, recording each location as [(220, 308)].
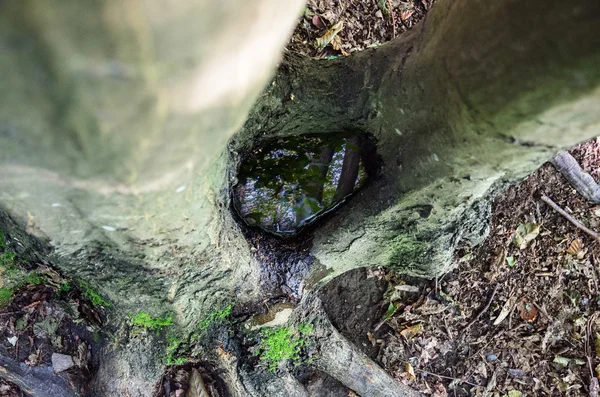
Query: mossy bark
[(114, 121)]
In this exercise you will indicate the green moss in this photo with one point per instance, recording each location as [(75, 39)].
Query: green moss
[(92, 294), (173, 357), (5, 296), (283, 343), (405, 250), (64, 288), (146, 321), (215, 317), (7, 259), (2, 240), (33, 278)]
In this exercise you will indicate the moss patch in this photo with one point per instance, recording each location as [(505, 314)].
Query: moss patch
[(284, 343), (92, 294), (215, 317), (146, 321), (5, 296), (405, 250)]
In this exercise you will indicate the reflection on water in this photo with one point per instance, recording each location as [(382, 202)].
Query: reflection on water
[(286, 184)]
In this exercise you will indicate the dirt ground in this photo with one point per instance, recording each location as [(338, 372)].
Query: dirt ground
[(518, 315), (365, 24)]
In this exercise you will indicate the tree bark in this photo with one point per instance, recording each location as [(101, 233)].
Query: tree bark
[(350, 167), (113, 135)]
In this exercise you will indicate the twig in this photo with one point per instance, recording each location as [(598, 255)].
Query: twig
[(487, 306), (446, 377), (588, 348), (393, 18), (574, 221)]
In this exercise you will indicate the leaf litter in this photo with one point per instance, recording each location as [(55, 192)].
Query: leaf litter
[(539, 335), (366, 24)]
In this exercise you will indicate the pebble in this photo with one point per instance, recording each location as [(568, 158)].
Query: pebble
[(61, 362), (492, 357)]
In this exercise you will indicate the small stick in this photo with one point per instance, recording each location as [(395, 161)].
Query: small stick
[(574, 221), (31, 305), (487, 306), (393, 19), (446, 377)]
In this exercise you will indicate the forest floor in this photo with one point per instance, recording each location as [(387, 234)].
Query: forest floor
[(518, 314), (361, 24)]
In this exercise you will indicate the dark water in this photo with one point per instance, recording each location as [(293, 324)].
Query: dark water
[(287, 184)]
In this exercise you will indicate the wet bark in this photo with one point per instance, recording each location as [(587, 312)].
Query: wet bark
[(115, 158), (350, 167)]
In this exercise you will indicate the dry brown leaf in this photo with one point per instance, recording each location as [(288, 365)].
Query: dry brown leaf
[(336, 44), (575, 247), (404, 15), (506, 309), (371, 338), (410, 371), (527, 310), (321, 42), (412, 331), (197, 388)]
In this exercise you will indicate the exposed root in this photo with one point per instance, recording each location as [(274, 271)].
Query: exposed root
[(340, 359), (35, 381), (581, 181)]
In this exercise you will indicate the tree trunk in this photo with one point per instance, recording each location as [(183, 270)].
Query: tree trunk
[(115, 118)]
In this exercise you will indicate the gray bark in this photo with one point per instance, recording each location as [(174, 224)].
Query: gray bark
[(115, 118)]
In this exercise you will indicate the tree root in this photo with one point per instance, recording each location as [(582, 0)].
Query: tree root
[(581, 181), (35, 381), (338, 357)]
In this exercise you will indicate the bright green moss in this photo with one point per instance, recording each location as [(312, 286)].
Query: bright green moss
[(92, 294), (283, 343), (5, 296), (146, 321), (215, 317)]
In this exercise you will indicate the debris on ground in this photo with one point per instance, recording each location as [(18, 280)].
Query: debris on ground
[(518, 315), (338, 28)]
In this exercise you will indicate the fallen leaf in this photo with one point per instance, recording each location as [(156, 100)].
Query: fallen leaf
[(410, 371), (404, 15), (511, 261), (371, 338), (514, 393), (13, 340), (525, 234), (317, 21), (597, 344), (336, 44), (412, 331), (322, 41), (506, 309), (407, 288), (560, 360), (527, 310), (197, 387), (575, 247)]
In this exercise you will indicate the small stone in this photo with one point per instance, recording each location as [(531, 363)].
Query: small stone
[(492, 357), (516, 373), (379, 14), (61, 362)]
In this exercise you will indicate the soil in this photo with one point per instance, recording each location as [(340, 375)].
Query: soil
[(364, 24), (445, 337)]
